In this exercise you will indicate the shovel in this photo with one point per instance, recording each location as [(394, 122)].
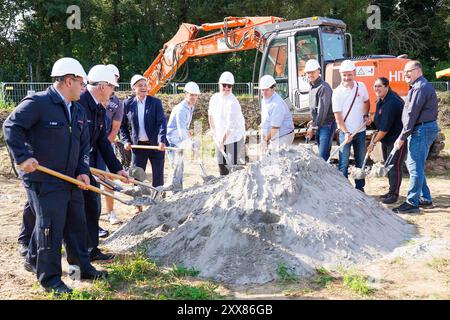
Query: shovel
[(206, 178), (360, 173), (136, 202), (98, 172), (230, 167), (381, 171), (341, 146)]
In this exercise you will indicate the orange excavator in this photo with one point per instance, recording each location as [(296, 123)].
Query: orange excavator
[(285, 48)]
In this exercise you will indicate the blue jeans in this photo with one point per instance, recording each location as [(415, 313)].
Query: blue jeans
[(419, 143), (359, 151), (324, 139)]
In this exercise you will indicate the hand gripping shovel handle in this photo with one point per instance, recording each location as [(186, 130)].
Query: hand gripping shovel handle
[(341, 146), (78, 182)]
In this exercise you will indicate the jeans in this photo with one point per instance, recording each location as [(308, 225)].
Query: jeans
[(419, 143), (324, 139), (359, 150)]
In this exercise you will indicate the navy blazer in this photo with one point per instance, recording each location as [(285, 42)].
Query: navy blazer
[(39, 127), (154, 119)]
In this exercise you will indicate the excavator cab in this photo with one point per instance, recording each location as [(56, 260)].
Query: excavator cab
[(290, 44)]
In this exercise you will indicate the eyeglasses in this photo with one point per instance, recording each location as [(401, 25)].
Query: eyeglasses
[(378, 86), (80, 81), (227, 85), (409, 71)]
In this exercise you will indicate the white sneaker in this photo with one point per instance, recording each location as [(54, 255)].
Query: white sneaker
[(113, 218)]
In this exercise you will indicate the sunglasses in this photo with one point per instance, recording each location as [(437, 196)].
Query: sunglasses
[(227, 85)]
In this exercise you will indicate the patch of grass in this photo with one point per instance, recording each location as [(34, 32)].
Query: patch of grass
[(285, 274), (137, 277), (323, 277), (189, 292), (358, 283), (181, 271), (411, 221), (439, 264), (411, 242)]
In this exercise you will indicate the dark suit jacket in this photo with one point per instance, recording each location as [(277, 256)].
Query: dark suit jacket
[(97, 132), (154, 119)]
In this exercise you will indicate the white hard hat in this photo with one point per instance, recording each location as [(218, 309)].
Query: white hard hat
[(226, 78), (102, 73), (347, 65), (65, 66), (114, 69), (312, 65), (192, 87), (136, 78), (266, 82)]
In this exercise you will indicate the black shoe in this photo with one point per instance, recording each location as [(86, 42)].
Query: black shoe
[(384, 196), (426, 204), (59, 289), (23, 249), (100, 256), (102, 233), (405, 207), (94, 274), (29, 267), (392, 198)]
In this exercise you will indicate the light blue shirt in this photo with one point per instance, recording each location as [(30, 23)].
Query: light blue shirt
[(276, 113), (67, 103), (179, 122)]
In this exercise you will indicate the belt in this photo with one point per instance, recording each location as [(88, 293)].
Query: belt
[(144, 142), (423, 122)]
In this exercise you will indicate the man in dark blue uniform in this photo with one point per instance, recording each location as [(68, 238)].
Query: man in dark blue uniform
[(145, 115), (50, 129), (100, 88)]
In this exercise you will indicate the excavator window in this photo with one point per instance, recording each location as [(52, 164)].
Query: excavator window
[(333, 46), (276, 64), (306, 47)]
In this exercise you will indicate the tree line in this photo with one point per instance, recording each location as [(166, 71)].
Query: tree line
[(130, 33)]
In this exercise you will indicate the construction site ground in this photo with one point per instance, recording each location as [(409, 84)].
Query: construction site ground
[(411, 276)]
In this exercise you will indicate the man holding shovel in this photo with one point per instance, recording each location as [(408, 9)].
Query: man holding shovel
[(419, 131), (178, 133), (323, 122), (50, 129), (351, 107), (99, 90), (388, 120)]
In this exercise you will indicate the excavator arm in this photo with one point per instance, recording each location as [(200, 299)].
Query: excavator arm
[(237, 34)]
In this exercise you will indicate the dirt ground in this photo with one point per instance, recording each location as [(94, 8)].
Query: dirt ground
[(420, 271)]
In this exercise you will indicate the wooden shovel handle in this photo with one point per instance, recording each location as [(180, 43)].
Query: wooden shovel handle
[(75, 181), (135, 146)]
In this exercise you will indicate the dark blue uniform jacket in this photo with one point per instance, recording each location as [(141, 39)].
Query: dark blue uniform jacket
[(39, 127)]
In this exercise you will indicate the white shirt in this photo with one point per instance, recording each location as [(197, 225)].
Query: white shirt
[(141, 113), (227, 115), (275, 113), (342, 99), (67, 103)]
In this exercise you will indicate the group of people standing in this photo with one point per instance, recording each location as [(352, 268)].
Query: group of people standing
[(404, 128), (73, 126)]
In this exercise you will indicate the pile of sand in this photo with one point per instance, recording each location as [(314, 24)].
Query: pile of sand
[(290, 207)]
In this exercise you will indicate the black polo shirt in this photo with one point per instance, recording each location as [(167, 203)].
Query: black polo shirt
[(388, 116)]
